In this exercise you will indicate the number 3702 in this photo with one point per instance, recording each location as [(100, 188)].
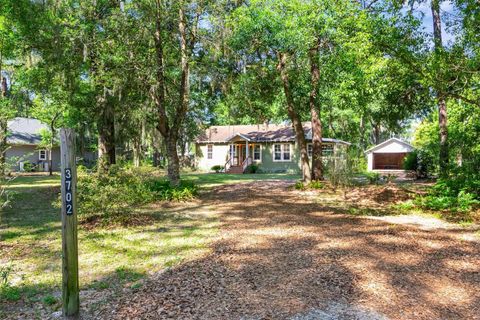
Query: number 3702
[(68, 192)]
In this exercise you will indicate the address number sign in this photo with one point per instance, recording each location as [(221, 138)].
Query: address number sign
[(68, 191)]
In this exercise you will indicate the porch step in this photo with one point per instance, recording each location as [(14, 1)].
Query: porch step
[(235, 169)]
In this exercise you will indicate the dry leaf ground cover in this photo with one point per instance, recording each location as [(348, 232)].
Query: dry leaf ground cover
[(284, 254)]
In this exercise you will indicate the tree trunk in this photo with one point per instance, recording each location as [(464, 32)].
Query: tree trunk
[(173, 166), (315, 111), (170, 131), (3, 122), (137, 152), (442, 105), (50, 165), (294, 117), (376, 132), (106, 137), (444, 150)]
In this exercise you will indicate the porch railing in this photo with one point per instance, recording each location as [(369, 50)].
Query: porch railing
[(227, 165), (248, 161)]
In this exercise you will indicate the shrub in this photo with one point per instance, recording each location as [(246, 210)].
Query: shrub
[(299, 185), (28, 167), (164, 191), (372, 177), (7, 292), (458, 193), (389, 178), (315, 185), (411, 161), (253, 168), (217, 168), (121, 189)]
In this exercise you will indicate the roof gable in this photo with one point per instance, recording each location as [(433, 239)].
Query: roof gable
[(25, 131), (392, 145), (257, 133)]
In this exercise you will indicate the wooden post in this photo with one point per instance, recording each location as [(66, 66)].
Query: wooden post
[(70, 296)]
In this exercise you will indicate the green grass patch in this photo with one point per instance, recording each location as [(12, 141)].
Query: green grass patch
[(109, 256), (217, 179)]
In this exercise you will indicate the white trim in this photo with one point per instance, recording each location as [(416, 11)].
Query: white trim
[(378, 146), (238, 135), (44, 158), (282, 152), (253, 152), (209, 151)]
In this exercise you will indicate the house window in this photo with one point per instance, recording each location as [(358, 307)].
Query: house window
[(257, 154), (209, 151), (327, 150), (282, 152), (42, 154)]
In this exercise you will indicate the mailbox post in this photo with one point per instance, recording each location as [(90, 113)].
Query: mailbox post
[(70, 291)]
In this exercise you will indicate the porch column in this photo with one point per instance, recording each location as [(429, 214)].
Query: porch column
[(247, 151), (231, 153)]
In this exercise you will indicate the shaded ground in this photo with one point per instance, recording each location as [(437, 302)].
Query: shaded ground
[(281, 255)]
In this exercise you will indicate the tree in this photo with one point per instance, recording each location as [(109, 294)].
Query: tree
[(49, 109), (7, 40)]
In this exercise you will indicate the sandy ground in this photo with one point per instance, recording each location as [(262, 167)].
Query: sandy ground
[(281, 256)]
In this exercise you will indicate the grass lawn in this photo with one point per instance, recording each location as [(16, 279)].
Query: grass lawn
[(109, 258), (216, 179)]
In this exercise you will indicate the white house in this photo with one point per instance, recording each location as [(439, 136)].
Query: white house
[(388, 155)]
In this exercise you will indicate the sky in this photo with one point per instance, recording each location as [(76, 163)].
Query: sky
[(447, 9)]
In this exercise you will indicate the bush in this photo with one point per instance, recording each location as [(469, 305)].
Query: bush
[(315, 185), (458, 193), (253, 168), (299, 185), (7, 292), (372, 177), (411, 161), (164, 191), (122, 189), (28, 167), (217, 168)]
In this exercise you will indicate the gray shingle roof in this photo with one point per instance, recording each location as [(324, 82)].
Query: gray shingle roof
[(25, 131), (257, 133)]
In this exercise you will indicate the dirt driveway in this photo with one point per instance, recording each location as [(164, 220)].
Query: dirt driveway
[(280, 256)]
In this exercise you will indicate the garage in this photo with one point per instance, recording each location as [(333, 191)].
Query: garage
[(388, 155)]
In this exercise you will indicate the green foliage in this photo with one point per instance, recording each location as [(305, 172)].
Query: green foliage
[(340, 170), (164, 191), (372, 177), (411, 161), (299, 185), (7, 292), (49, 300), (314, 185), (217, 168), (28, 167), (253, 168), (459, 193), (121, 189), (389, 178)]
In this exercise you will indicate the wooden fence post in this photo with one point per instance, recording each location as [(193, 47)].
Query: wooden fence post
[(70, 291)]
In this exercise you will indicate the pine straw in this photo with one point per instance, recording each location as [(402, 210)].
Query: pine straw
[(279, 256)]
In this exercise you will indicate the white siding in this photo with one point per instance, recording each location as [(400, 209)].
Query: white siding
[(370, 161), (219, 156)]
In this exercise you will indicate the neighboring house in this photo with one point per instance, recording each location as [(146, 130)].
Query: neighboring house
[(388, 155), (23, 140), (271, 147)]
